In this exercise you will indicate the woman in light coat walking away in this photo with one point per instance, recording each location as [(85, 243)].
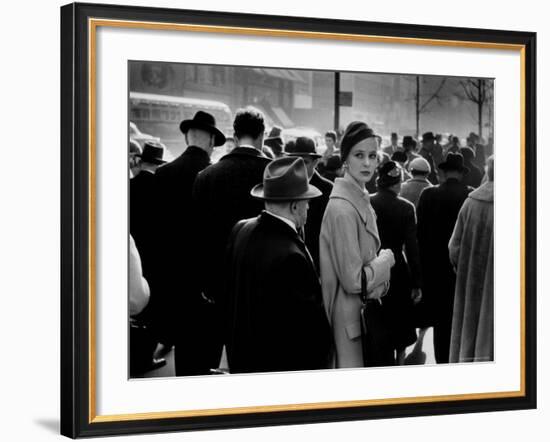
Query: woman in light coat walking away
[(349, 245)]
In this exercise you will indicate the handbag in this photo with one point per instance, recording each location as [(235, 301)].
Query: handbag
[(376, 338)]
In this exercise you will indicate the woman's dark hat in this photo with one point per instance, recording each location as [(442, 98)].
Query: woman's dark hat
[(152, 153), (205, 121), (285, 179), (399, 156), (389, 173), (454, 161), (303, 147), (356, 132)]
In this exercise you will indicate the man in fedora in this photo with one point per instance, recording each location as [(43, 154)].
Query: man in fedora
[(427, 152), (275, 141), (437, 213), (304, 147), (182, 309), (275, 315), (142, 196), (144, 233), (221, 196)]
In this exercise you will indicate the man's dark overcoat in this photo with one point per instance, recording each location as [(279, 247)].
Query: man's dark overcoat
[(275, 319), (315, 214), (222, 197), (437, 213), (143, 195), (180, 310), (396, 221)]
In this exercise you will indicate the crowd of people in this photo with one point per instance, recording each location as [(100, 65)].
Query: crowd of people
[(280, 258)]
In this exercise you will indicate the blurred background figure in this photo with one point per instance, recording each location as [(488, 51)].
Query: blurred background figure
[(475, 175), (230, 144), (133, 152), (394, 146), (471, 253), (412, 188), (333, 168), (275, 142)]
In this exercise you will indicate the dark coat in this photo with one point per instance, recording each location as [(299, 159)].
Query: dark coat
[(143, 195), (315, 214), (437, 213), (222, 197), (474, 176), (275, 316), (432, 177), (174, 287), (396, 221)]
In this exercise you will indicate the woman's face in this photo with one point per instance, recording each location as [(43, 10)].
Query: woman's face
[(363, 160)]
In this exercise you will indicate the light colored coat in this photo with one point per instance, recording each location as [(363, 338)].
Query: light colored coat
[(348, 243), (471, 253)]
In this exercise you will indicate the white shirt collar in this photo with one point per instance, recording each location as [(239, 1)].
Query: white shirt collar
[(285, 220)]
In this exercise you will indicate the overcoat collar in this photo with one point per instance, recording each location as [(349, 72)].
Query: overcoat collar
[(359, 199), (244, 151), (196, 151)]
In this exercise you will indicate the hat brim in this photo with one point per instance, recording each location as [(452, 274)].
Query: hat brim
[(445, 167), (303, 154), (219, 137), (312, 192), (151, 160)]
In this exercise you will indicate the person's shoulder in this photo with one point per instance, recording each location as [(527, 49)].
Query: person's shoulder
[(405, 204), (323, 184)]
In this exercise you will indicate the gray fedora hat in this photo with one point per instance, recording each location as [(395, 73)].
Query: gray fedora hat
[(285, 179)]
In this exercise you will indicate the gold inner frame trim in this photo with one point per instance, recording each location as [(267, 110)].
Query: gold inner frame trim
[(93, 24)]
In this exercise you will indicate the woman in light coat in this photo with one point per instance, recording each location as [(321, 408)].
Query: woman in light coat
[(349, 245)]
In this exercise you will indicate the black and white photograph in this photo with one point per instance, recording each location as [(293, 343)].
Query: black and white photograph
[(285, 220)]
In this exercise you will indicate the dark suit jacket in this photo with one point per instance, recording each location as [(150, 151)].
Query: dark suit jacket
[(142, 218), (174, 289), (437, 213), (315, 214), (222, 197), (276, 319)]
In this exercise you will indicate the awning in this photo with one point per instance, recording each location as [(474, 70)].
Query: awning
[(283, 74)]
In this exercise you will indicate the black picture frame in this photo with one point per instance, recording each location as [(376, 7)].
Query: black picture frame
[(77, 253)]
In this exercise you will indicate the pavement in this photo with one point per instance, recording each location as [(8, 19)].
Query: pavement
[(420, 353)]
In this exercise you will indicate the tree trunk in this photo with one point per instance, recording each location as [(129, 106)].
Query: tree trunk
[(481, 86), (417, 106)]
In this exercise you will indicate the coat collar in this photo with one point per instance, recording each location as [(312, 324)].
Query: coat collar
[(245, 151), (358, 198), (196, 151)]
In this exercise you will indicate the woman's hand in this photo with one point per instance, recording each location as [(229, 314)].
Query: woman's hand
[(387, 256)]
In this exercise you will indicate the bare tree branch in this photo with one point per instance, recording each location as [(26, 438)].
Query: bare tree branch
[(433, 96)]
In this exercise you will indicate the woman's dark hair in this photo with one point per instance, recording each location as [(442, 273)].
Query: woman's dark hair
[(248, 122)]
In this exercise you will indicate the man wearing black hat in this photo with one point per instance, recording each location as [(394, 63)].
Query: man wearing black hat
[(276, 320), (142, 195), (427, 152), (181, 310), (437, 213), (304, 147), (222, 197)]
